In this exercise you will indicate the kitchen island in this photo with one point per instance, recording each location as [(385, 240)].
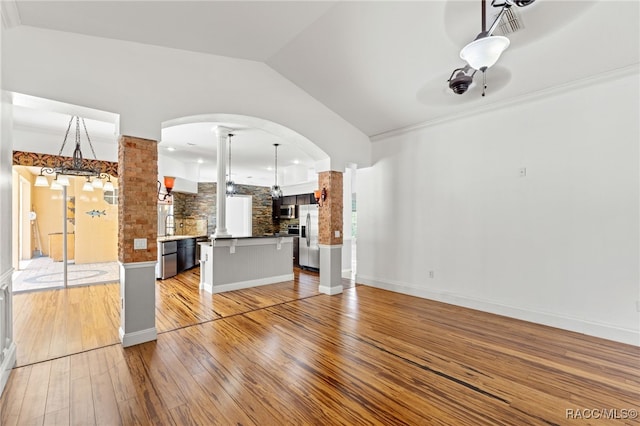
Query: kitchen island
[(228, 264)]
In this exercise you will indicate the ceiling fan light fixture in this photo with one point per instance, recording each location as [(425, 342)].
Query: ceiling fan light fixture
[(484, 51), (461, 82)]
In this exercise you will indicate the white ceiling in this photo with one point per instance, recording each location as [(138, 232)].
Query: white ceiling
[(381, 65)]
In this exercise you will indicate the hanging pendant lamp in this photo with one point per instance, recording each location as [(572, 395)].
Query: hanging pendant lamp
[(76, 165), (231, 187), (276, 192)]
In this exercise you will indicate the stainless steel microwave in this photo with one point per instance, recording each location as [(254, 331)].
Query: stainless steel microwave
[(288, 211)]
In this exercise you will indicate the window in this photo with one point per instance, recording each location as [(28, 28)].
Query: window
[(111, 197)]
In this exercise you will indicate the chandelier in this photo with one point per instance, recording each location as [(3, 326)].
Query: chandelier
[(276, 192), (231, 187), (74, 167)]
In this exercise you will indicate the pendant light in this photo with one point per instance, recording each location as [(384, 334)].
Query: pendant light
[(88, 187), (276, 192), (76, 165), (108, 186), (231, 187)]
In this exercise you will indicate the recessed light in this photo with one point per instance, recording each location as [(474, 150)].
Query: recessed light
[(171, 148), (296, 161), (269, 168), (200, 161)]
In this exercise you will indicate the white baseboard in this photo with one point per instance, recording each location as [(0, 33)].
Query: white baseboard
[(137, 337), (605, 331), (330, 290), (250, 283), (7, 365)]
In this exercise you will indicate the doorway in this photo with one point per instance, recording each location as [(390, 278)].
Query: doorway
[(88, 219)]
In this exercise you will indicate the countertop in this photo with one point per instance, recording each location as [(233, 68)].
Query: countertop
[(280, 235), (177, 237)]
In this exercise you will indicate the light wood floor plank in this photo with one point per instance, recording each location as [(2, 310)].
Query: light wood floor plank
[(35, 397), (286, 354), (59, 388), (14, 396)]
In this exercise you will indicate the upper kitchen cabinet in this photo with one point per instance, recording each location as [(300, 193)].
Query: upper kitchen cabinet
[(304, 199), (289, 200)]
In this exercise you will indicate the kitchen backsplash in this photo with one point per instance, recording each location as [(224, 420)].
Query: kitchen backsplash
[(198, 211), (191, 227)]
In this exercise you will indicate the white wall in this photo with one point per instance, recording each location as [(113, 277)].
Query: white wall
[(148, 85), (559, 246), (7, 345)]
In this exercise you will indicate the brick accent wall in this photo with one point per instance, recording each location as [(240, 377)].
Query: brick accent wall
[(203, 206), (330, 214), (137, 198)]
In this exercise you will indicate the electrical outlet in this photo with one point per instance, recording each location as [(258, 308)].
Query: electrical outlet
[(139, 243), (431, 274), (522, 171)]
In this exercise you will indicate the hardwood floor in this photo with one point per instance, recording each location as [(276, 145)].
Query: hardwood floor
[(284, 354)]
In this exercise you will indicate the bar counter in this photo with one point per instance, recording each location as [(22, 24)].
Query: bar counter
[(228, 264)]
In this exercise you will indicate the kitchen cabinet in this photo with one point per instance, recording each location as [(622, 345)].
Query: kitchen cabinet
[(186, 254), (289, 200), (302, 199), (298, 200)]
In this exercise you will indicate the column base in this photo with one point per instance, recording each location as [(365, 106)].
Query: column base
[(330, 269), (138, 303), (137, 337)]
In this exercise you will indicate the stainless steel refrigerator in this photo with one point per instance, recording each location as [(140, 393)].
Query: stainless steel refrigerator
[(309, 251)]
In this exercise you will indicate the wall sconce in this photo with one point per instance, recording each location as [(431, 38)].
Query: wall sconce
[(169, 181), (320, 195)]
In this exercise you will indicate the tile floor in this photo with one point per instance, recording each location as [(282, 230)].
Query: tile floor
[(42, 273)]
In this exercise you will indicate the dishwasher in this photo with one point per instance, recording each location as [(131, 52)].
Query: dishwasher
[(168, 251)]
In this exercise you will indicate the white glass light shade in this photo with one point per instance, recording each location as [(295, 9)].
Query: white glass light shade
[(97, 183), (276, 192), (87, 186), (41, 180), (55, 185), (63, 180), (484, 52), (108, 187), (231, 188)]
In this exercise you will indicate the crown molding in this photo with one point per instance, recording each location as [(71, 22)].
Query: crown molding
[(10, 15), (497, 105)]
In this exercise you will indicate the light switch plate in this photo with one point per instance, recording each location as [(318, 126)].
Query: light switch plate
[(337, 234), (139, 243)]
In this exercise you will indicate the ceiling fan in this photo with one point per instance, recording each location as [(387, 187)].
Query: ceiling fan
[(485, 50)]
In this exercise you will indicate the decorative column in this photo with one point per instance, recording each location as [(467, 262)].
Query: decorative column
[(137, 238), (221, 195), (330, 237)]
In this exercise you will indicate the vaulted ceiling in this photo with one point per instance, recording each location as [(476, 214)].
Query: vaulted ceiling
[(381, 65)]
